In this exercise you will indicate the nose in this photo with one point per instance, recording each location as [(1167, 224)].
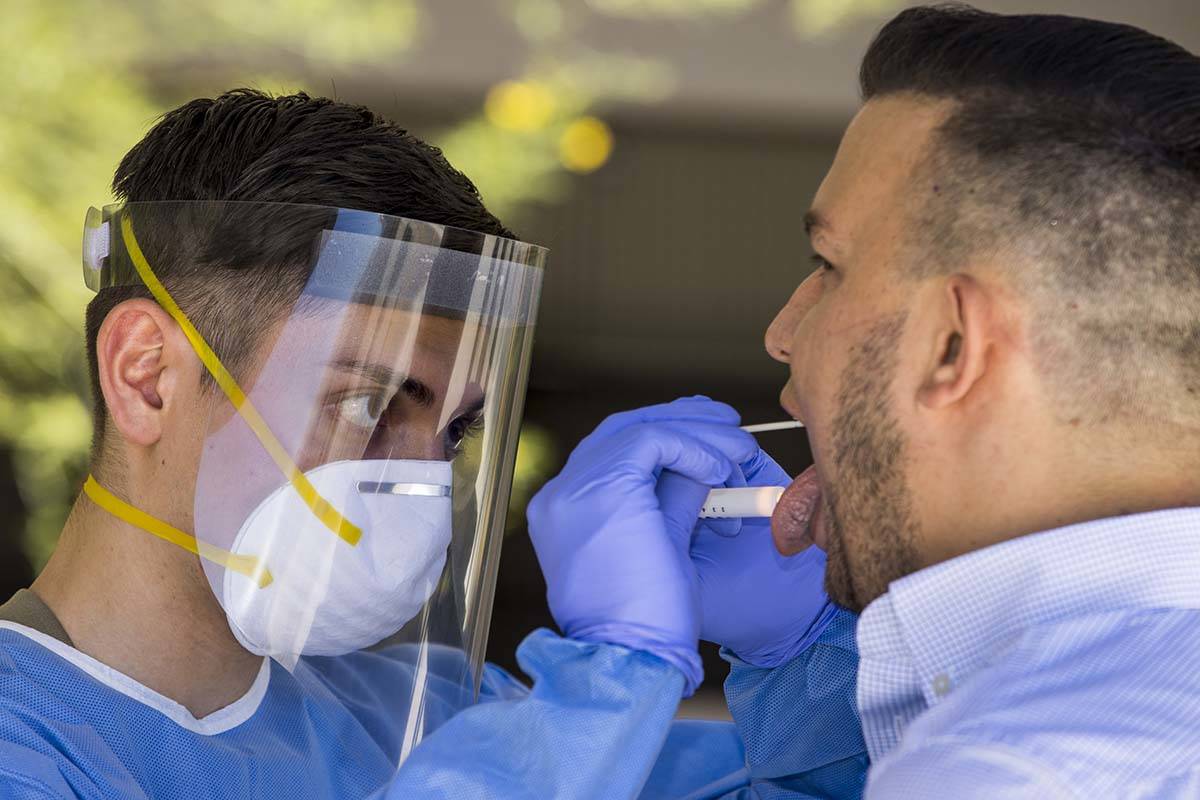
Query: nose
[(412, 443), (429, 448), (782, 330)]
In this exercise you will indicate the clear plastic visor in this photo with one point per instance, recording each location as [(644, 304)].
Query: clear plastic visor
[(357, 427)]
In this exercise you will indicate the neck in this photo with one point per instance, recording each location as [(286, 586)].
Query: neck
[(1069, 484), (143, 607)]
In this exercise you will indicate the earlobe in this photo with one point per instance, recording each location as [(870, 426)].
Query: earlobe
[(961, 346), (132, 368)]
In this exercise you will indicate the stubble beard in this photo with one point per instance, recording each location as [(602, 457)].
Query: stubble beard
[(871, 530)]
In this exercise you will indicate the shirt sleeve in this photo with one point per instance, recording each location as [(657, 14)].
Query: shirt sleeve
[(592, 726), (799, 721), (946, 767), (29, 775)]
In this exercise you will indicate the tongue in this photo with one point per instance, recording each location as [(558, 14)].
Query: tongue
[(796, 523)]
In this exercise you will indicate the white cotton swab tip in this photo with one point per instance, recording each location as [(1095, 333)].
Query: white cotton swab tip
[(772, 426)]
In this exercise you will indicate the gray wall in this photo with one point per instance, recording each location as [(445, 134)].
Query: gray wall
[(666, 268)]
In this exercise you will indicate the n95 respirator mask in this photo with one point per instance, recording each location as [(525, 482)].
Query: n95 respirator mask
[(328, 597)]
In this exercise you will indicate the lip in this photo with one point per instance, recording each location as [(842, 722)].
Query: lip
[(788, 403)]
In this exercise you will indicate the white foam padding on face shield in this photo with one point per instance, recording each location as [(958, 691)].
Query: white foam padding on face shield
[(95, 248)]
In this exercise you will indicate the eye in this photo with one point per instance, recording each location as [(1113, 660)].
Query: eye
[(461, 428), (363, 410)]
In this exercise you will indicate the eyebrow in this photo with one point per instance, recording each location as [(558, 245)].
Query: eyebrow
[(418, 391)]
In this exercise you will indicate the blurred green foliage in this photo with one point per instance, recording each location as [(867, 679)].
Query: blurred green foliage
[(77, 92), (77, 97), (70, 117)]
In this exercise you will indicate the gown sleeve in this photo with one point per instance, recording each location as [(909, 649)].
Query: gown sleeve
[(599, 723), (799, 721), (592, 726)]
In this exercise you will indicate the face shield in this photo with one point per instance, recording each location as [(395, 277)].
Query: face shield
[(365, 378)]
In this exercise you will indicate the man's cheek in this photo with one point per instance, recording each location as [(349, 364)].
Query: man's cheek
[(813, 371), (803, 353)]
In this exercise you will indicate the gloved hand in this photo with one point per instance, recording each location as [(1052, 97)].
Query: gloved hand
[(765, 607), (615, 554)]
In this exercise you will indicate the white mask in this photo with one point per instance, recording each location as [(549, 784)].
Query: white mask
[(329, 597)]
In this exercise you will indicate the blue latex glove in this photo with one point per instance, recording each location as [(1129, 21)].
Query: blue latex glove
[(765, 607), (614, 555)]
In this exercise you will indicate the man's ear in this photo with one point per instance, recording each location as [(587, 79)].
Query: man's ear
[(142, 368), (961, 346)]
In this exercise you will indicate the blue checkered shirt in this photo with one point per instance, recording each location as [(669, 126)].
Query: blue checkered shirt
[(1064, 664)]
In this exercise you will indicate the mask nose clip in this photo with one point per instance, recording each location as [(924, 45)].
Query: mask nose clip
[(409, 489)]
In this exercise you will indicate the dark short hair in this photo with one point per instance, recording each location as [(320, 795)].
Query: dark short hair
[(246, 145), (1071, 147)]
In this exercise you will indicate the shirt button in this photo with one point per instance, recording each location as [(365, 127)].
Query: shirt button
[(942, 685)]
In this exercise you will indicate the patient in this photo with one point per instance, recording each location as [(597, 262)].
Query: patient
[(998, 364)]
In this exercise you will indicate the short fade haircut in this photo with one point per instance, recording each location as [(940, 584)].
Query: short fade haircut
[(246, 145), (1072, 145)]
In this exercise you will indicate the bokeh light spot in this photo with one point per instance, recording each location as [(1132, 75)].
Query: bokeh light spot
[(519, 106), (585, 145)]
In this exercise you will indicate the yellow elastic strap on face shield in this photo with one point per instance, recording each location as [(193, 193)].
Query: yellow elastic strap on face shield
[(319, 506), (249, 566)]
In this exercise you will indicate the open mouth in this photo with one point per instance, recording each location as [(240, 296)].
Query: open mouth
[(799, 520)]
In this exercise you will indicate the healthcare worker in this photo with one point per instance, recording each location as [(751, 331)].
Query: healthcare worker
[(309, 347), (997, 360)]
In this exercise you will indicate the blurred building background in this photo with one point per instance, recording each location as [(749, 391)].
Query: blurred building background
[(665, 150)]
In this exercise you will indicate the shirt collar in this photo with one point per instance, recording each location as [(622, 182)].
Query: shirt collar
[(951, 615)]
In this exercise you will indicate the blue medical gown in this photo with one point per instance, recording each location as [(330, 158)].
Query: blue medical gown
[(598, 723), (599, 720)]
